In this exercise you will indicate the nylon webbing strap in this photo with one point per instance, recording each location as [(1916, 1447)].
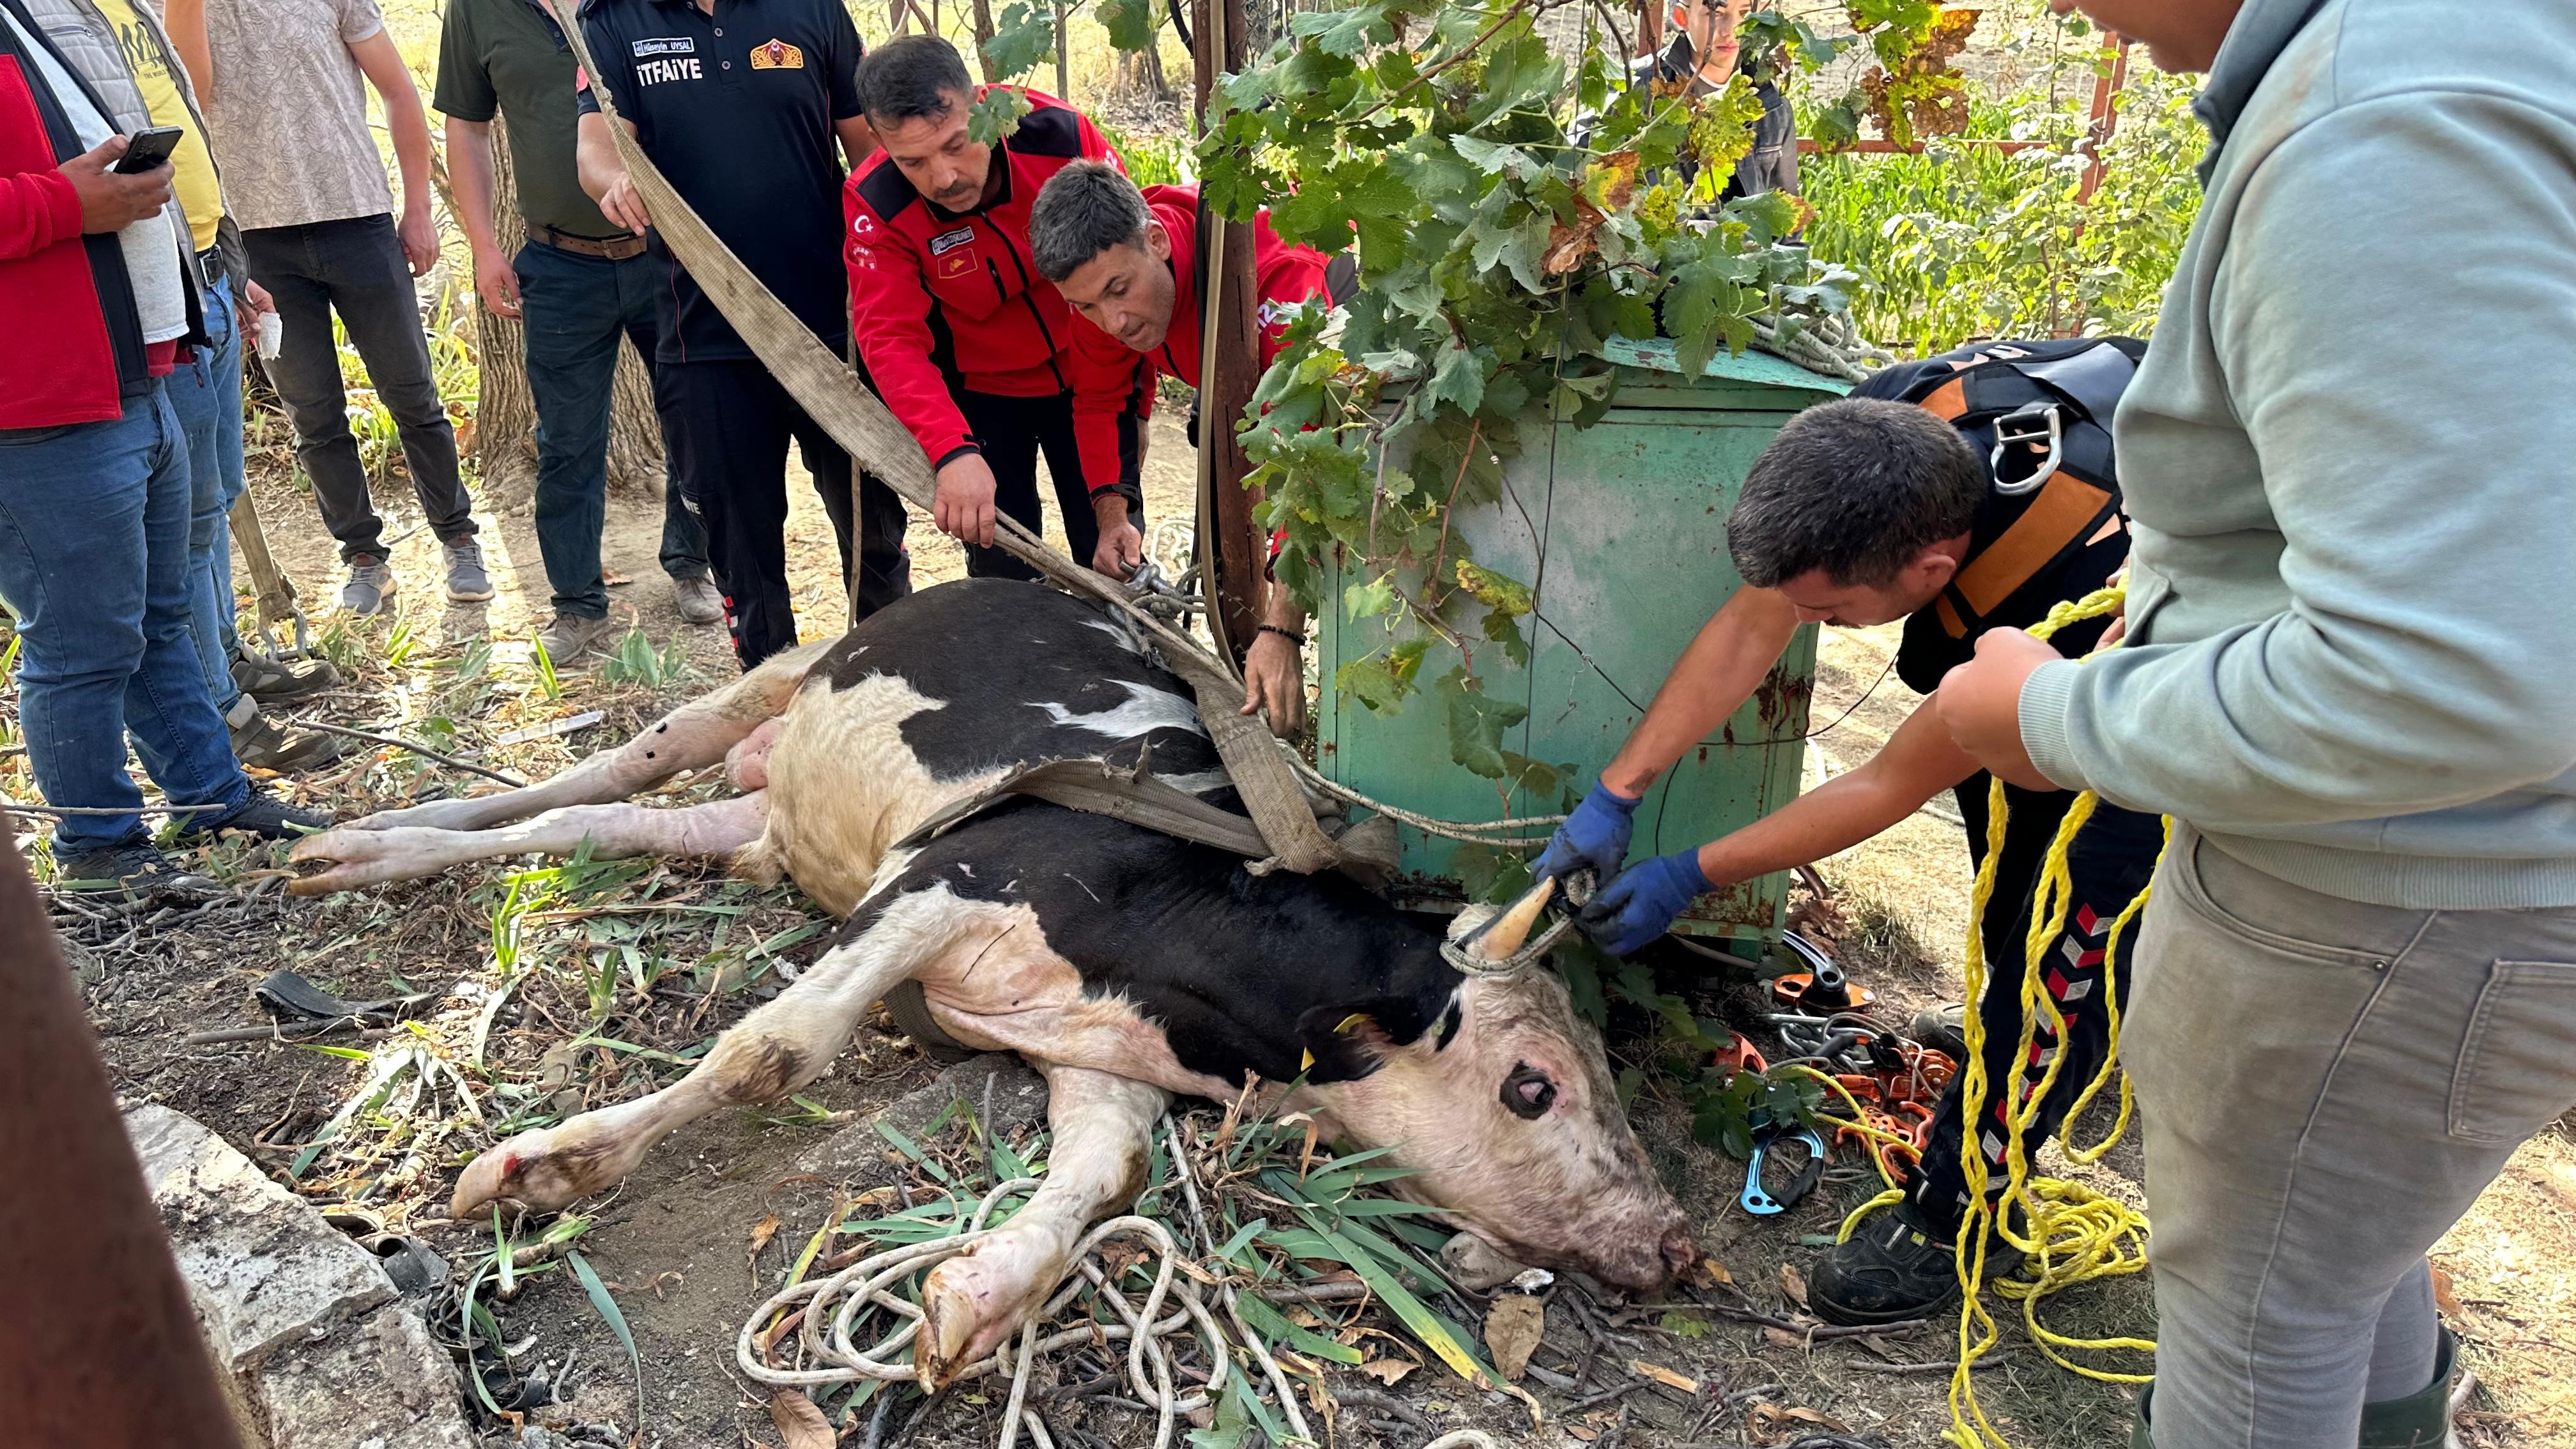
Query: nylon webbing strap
[(1098, 787), (2094, 378)]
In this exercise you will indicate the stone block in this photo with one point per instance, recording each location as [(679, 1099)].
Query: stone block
[(262, 1267), (379, 1383)]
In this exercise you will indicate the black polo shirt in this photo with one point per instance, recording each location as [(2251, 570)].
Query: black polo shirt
[(737, 109)]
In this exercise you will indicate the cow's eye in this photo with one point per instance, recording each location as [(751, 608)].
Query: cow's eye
[(1528, 1092)]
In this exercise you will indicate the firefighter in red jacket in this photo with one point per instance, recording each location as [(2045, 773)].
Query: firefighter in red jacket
[(1127, 263), (969, 347)]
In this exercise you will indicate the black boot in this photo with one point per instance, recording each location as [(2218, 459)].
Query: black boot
[(2421, 1420), (1894, 1268)]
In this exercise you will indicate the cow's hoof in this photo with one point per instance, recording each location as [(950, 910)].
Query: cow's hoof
[(950, 1315), (360, 856), (542, 1171)]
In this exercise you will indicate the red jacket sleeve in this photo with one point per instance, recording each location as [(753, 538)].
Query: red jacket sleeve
[(1287, 278), (890, 322), (37, 209), (1106, 406)]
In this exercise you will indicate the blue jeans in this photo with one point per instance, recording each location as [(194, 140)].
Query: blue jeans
[(206, 393), (575, 308), (94, 562)]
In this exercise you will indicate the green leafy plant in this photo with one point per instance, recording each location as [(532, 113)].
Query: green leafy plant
[(637, 660)]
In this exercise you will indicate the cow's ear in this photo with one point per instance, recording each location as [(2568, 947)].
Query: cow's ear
[(1346, 1042)]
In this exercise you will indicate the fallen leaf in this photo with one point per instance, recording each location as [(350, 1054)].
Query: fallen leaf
[(1716, 1271), (1579, 1432), (1388, 1371), (1513, 1327), (2445, 1297), (1773, 1422), (761, 1233), (803, 1424), (1663, 1375), (611, 579), (1793, 1286), (1783, 1338)]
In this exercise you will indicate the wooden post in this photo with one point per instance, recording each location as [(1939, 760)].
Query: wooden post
[(1063, 80), (1230, 540), (2106, 112)]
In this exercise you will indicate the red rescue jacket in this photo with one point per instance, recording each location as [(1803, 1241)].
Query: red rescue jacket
[(1110, 379), (62, 358), (940, 301)]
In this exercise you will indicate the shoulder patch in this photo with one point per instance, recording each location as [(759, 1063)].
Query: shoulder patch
[(886, 191), (1048, 131)]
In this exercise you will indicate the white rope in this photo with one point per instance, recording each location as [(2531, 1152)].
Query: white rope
[(844, 1306), (1474, 832)]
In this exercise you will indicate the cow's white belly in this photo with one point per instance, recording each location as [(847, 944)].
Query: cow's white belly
[(843, 785)]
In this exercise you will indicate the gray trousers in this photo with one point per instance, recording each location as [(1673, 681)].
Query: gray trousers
[(2326, 1086)]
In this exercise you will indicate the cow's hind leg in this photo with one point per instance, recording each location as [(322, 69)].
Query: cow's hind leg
[(694, 735), (770, 1053), (1103, 1128), (713, 831)]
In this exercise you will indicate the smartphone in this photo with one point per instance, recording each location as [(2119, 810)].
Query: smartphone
[(147, 149)]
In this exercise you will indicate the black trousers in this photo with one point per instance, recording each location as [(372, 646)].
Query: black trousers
[(1013, 431), (2109, 862), (728, 424), (355, 267)]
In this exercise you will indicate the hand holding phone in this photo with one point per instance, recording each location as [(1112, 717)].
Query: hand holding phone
[(148, 150), (110, 201)]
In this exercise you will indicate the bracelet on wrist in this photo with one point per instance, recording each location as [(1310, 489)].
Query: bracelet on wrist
[(1291, 635)]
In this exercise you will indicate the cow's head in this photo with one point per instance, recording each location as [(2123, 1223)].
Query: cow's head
[(1502, 1103)]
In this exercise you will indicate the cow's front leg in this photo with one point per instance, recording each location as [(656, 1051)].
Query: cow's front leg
[(772, 1052), (713, 831), (695, 735), (1103, 1134)]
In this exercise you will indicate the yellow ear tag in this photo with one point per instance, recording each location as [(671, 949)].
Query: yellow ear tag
[(1308, 1064), (1349, 1021)]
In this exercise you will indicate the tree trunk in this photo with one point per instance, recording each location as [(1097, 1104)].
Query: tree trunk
[(505, 417), (1140, 77), (983, 38), (1232, 366)]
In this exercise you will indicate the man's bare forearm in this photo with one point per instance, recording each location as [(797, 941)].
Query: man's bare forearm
[(185, 20), (1918, 762), (1718, 672), (469, 173), (595, 161)]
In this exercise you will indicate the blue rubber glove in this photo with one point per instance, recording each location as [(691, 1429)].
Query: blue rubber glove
[(1634, 910), (1594, 837)]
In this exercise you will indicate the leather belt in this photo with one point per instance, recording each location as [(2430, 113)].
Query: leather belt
[(615, 248)]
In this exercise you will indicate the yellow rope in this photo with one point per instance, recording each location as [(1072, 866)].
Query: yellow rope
[(2075, 1234)]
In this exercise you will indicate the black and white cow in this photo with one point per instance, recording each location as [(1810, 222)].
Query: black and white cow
[(1125, 964)]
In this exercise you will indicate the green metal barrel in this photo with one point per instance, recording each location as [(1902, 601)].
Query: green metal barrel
[(1620, 528)]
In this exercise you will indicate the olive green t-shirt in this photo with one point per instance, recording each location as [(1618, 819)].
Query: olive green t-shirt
[(508, 55)]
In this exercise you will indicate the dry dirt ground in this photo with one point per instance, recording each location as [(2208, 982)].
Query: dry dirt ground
[(615, 980)]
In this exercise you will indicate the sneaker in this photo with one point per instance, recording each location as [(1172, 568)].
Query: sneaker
[(371, 582), (265, 816), (467, 583), (1894, 1268), (698, 598), (570, 639), (263, 742), (270, 682), (134, 870)]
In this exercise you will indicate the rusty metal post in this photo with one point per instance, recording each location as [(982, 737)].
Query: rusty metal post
[(98, 1347)]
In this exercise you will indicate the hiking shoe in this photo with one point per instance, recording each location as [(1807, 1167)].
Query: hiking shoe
[(1943, 1028), (570, 640), (265, 816), (270, 682), (134, 870), (371, 582), (1894, 1268), (467, 583), (698, 598), (263, 742)]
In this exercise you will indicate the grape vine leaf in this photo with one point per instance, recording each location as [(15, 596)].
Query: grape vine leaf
[(996, 116), (1476, 723), (1025, 36), (1499, 592), (1344, 32), (1130, 23), (1367, 600)]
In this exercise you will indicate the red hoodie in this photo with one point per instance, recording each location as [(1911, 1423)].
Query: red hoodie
[(938, 300), (59, 361), (1109, 374)]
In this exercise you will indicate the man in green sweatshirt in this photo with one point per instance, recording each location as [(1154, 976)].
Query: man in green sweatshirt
[(2347, 676)]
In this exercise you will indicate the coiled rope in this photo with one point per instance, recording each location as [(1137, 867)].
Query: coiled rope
[(836, 1311), (2073, 1234)]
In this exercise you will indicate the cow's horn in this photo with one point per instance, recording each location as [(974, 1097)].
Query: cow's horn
[(1505, 936)]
